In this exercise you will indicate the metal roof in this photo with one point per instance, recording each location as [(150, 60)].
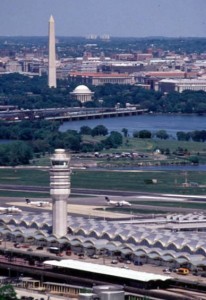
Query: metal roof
[(106, 270)]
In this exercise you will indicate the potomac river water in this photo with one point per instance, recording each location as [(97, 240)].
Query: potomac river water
[(170, 123)]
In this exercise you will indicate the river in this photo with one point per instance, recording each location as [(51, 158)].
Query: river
[(153, 123)]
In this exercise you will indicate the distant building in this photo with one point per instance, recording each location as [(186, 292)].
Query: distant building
[(153, 78), (172, 85), (143, 56), (13, 66), (123, 67), (100, 78), (82, 93)]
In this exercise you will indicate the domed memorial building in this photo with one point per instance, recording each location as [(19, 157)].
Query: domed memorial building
[(82, 93)]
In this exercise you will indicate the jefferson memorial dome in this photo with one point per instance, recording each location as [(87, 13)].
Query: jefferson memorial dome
[(82, 93)]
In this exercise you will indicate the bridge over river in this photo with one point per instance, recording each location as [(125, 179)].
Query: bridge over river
[(68, 114), (96, 114)]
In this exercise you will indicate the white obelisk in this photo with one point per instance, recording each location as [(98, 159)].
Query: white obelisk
[(52, 55)]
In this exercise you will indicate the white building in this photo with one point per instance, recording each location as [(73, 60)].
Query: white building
[(82, 93), (180, 85)]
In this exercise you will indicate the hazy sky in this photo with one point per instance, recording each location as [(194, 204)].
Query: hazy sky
[(138, 18)]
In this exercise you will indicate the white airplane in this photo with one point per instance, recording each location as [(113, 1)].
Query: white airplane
[(37, 203), (117, 203), (10, 210)]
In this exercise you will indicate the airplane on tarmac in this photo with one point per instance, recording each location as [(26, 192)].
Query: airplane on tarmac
[(37, 203), (117, 203), (10, 210)]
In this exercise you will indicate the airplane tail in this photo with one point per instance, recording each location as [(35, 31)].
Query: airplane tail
[(27, 201), (107, 199)]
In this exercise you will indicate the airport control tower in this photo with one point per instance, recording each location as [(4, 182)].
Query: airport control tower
[(59, 190)]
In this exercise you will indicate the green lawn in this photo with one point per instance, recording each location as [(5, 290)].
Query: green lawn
[(23, 194), (149, 145), (167, 181), (24, 177)]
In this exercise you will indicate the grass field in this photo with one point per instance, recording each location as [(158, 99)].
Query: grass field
[(24, 177), (167, 182), (23, 194), (152, 144)]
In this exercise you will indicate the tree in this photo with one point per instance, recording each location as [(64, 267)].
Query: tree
[(145, 134), (136, 134), (114, 140), (87, 147), (7, 292), (162, 134), (194, 159), (15, 153), (19, 153), (199, 135), (85, 130), (183, 136), (125, 132), (99, 130)]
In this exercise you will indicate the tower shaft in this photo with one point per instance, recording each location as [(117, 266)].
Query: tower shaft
[(52, 55)]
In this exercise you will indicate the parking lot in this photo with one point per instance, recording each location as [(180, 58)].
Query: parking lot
[(102, 258)]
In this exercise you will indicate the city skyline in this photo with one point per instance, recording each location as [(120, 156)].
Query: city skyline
[(131, 18)]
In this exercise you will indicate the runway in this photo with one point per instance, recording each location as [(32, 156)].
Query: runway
[(91, 202)]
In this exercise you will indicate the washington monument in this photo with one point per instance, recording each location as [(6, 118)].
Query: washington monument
[(52, 55)]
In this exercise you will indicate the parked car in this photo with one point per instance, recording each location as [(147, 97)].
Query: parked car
[(94, 256), (25, 246), (128, 262), (166, 271), (138, 263), (39, 248), (114, 262), (125, 267), (183, 271), (39, 264)]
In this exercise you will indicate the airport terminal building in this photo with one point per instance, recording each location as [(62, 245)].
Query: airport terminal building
[(172, 241)]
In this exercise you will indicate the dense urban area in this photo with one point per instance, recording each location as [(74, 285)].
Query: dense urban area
[(159, 75)]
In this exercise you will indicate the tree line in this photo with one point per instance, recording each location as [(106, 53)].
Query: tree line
[(195, 136), (27, 139)]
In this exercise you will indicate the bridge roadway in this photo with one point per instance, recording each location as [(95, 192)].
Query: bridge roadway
[(67, 114)]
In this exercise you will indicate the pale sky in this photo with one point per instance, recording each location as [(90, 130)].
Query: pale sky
[(134, 18)]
